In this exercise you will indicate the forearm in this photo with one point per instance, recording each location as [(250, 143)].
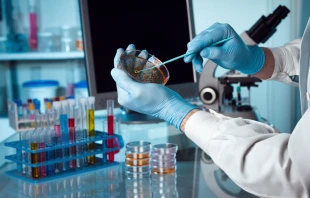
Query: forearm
[(267, 71)]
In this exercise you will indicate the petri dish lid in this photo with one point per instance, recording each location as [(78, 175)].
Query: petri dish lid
[(161, 157), (163, 164), (165, 149), (138, 147)]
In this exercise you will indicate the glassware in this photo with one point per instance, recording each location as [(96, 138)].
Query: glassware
[(132, 63), (45, 42), (163, 158), (138, 159), (66, 44)]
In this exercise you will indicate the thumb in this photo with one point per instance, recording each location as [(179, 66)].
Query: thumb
[(122, 79), (212, 53)]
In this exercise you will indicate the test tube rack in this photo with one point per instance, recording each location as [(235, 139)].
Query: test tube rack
[(100, 152), (18, 124)]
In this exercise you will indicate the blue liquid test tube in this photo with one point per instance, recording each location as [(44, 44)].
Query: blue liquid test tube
[(64, 131)]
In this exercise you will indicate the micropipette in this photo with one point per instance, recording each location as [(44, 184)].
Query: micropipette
[(178, 57)]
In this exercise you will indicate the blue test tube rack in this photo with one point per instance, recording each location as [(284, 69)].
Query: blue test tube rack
[(100, 152)]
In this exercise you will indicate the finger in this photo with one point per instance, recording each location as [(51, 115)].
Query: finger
[(197, 62), (122, 79), (150, 62), (141, 60), (189, 58), (223, 31), (192, 55), (212, 53), (131, 50), (117, 57)]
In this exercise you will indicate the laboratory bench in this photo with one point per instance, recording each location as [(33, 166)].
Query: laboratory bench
[(196, 176)]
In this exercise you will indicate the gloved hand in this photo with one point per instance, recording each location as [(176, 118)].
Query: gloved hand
[(234, 54), (152, 99)]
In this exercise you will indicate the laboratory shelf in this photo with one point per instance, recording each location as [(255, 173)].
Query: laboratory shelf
[(38, 56)]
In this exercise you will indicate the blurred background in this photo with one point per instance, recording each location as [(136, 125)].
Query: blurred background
[(41, 47)]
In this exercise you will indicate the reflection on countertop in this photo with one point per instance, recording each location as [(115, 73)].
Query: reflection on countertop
[(197, 178)]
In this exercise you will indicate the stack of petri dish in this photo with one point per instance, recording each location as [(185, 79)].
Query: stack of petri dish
[(164, 158), (138, 159)]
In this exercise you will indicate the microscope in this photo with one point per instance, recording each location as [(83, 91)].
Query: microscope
[(216, 93)]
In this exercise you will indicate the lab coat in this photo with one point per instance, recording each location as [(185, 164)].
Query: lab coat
[(260, 161)]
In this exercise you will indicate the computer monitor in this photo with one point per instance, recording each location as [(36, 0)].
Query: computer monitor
[(161, 27)]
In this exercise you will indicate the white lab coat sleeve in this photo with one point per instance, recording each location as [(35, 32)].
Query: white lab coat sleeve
[(262, 162), (286, 62)]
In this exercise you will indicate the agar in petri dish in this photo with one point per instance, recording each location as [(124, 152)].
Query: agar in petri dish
[(132, 61)]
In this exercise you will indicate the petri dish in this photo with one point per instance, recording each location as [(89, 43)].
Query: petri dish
[(138, 169), (158, 157), (140, 162), (132, 156), (138, 147), (166, 170), (165, 149), (163, 164), (132, 62)]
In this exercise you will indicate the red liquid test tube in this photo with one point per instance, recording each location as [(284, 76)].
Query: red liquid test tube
[(110, 107)]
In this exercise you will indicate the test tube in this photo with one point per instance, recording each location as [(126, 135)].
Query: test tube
[(57, 137), (64, 130), (79, 137), (34, 145), (91, 126), (31, 115), (110, 107), (49, 139), (41, 144), (37, 105), (72, 134), (19, 108), (83, 111), (25, 144)]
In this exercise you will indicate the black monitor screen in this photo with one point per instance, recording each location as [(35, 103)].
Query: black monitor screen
[(161, 27)]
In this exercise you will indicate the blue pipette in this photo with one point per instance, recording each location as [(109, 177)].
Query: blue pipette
[(178, 57)]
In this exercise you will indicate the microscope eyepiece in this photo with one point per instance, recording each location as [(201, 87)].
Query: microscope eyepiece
[(265, 27)]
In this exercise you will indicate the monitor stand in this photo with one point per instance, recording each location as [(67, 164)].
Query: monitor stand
[(131, 117)]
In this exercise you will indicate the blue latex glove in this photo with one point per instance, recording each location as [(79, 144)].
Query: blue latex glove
[(234, 54), (151, 99)]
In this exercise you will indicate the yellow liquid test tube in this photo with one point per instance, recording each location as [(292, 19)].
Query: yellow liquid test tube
[(91, 127), (35, 160)]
